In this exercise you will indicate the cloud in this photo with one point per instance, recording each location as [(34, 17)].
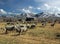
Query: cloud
[(46, 7), (38, 8), (49, 5), (26, 10), (58, 9), (30, 7), (2, 11)]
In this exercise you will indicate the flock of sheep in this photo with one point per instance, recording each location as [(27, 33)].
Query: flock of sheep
[(19, 28)]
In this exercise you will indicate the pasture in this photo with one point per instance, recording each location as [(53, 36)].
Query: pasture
[(38, 35)]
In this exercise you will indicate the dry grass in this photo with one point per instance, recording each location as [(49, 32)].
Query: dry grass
[(38, 35)]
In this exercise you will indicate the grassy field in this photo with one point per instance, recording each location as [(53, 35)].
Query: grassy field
[(38, 35)]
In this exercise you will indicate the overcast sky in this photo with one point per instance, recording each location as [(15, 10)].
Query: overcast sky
[(29, 6)]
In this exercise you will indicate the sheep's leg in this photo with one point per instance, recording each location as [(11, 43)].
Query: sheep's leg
[(22, 31), (19, 32), (6, 32)]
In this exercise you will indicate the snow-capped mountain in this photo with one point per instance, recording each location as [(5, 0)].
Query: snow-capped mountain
[(24, 15), (47, 15)]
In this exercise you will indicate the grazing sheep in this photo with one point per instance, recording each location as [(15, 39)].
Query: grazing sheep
[(9, 28), (33, 25), (10, 23), (43, 23), (17, 28), (12, 27), (57, 35), (23, 28), (53, 24), (28, 26)]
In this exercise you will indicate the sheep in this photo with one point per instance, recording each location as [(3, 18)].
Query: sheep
[(57, 35), (28, 26), (17, 28), (33, 25), (9, 28), (53, 24), (43, 23), (23, 28)]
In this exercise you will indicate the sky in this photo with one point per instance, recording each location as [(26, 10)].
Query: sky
[(29, 6)]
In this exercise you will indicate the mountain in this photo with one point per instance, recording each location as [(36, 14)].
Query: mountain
[(46, 15), (24, 15)]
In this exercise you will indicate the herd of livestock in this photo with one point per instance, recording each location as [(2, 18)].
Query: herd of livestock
[(19, 28)]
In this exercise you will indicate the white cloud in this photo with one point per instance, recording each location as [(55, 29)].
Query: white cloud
[(26, 10), (38, 8), (5, 12), (2, 11), (50, 5), (58, 9), (47, 5), (44, 7), (30, 7)]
